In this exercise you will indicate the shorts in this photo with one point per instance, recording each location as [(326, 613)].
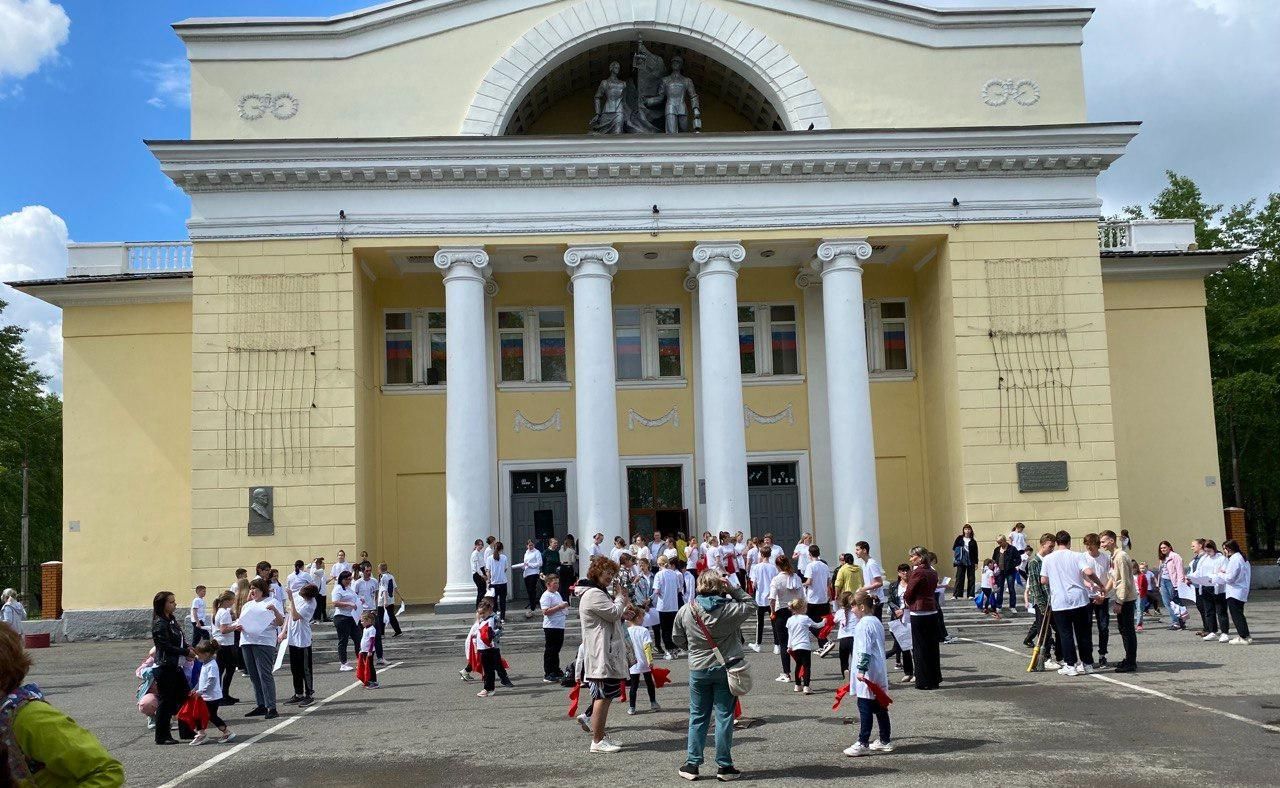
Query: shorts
[(605, 689)]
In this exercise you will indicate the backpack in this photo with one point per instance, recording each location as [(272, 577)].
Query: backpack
[(21, 768)]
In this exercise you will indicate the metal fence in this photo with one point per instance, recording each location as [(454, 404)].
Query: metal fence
[(11, 577)]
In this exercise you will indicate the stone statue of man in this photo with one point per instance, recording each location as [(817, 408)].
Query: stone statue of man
[(672, 93)]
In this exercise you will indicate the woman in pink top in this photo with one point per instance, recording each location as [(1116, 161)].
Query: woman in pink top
[(1172, 575)]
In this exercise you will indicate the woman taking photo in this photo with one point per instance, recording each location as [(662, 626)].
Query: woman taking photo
[(346, 606), (171, 649), (721, 610), (607, 651), (260, 621), (965, 559), (922, 606)]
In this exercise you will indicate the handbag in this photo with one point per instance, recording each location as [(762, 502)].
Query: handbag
[(739, 672)]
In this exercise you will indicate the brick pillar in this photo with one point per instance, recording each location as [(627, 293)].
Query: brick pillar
[(1234, 517), (51, 590)]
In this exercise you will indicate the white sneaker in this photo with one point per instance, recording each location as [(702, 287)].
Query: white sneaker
[(1239, 641), (796, 688), (345, 666), (382, 663), (631, 712), (1052, 664), (1210, 636), (584, 722), (1068, 670), (754, 647), (604, 745), (858, 749), (654, 706), (1085, 669), (881, 746), (199, 739), (777, 649), (825, 650), (808, 691), (906, 679), (782, 677), (668, 656), (1224, 638)]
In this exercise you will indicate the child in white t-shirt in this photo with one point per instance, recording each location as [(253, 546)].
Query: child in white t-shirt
[(800, 642), (553, 607), (368, 645), (845, 621), (199, 621), (869, 664), (209, 687), (642, 646), (989, 607)]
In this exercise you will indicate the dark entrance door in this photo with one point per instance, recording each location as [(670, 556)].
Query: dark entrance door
[(774, 500), (655, 501), (539, 510)]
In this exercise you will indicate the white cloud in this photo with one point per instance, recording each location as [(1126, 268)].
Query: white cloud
[(170, 82), (33, 246), (30, 33)]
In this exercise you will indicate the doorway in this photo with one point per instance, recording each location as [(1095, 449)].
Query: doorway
[(773, 497), (539, 511), (655, 501)]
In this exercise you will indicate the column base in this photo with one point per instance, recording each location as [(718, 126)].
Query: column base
[(458, 598)]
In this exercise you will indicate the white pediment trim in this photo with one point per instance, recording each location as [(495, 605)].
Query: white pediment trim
[(74, 291), (700, 26), (392, 23)]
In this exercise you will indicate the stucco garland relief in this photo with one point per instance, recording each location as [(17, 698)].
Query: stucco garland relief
[(255, 106), (749, 415), (671, 417), (522, 423), (998, 92)]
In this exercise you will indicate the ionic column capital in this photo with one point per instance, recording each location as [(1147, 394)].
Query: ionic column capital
[(842, 254), (717, 257), (459, 262), (589, 260)]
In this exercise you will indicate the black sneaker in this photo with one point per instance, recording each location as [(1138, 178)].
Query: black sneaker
[(1102, 662), (727, 773), (271, 714), (689, 771), (507, 684), (293, 700), (229, 701), (305, 702), (258, 711)]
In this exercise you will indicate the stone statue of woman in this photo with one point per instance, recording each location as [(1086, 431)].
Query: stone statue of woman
[(611, 108)]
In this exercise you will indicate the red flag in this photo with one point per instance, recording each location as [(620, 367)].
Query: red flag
[(622, 686), (505, 665), (661, 677), (828, 624), (194, 713), (737, 709), (840, 693), (573, 700), (473, 657), (882, 697), (486, 634)]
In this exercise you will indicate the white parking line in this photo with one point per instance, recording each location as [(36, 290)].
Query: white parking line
[(222, 756), (1146, 690)]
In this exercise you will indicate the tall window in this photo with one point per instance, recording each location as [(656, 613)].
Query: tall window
[(532, 345), (647, 342), (888, 349), (414, 347), (767, 339)]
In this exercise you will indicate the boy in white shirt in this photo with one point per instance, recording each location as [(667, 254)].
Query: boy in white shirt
[(199, 622), (642, 646), (553, 609), (818, 591), (368, 641), (761, 578), (668, 586)]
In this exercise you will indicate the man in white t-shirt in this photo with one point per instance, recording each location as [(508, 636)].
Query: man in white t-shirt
[(817, 593), (1069, 598), (872, 576), (1097, 565), (668, 586), (762, 573)]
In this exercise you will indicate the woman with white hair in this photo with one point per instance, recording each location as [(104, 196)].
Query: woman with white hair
[(11, 610)]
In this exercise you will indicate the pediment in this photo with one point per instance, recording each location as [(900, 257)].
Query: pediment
[(390, 24)]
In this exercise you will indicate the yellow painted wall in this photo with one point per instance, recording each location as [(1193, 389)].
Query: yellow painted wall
[(866, 81), (126, 453), (1163, 402)]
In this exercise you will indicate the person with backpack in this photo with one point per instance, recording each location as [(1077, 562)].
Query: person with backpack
[(965, 559)]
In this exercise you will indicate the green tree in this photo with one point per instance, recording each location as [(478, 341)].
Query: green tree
[(1242, 317), (30, 429)]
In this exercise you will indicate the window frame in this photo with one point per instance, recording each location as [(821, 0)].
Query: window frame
[(763, 326), (419, 332), (650, 359), (875, 325), (531, 345)]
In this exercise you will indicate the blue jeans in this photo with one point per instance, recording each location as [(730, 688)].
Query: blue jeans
[(1167, 595), (709, 689), (868, 710)]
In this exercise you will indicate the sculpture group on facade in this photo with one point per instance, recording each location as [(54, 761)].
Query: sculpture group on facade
[(652, 100)]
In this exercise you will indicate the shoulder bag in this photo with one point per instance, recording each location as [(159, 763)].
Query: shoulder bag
[(739, 672)]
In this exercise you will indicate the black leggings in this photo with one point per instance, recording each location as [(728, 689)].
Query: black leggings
[(500, 600), (846, 654), (171, 689), (300, 667), (531, 591), (666, 624), (554, 641), (762, 615), (804, 666), (1236, 608), (227, 667), (648, 683), (780, 636), (482, 585), (214, 720), (347, 630)]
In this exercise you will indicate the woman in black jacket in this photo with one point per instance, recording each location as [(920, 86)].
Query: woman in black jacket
[(171, 646), (965, 560), (1007, 559)]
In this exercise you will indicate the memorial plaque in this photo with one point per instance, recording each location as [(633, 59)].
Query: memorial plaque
[(1042, 476), (261, 511)]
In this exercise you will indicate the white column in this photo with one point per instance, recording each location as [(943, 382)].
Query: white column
[(599, 475), (853, 457), (468, 478), (724, 444)]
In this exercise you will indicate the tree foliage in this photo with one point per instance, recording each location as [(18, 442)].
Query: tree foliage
[(1243, 320), (30, 428)]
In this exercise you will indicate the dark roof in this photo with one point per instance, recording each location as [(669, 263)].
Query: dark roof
[(142, 276)]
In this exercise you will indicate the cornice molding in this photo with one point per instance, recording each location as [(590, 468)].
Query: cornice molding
[(199, 166), (69, 292), (1168, 266), (392, 23)]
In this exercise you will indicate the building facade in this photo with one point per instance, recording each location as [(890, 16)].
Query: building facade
[(421, 304)]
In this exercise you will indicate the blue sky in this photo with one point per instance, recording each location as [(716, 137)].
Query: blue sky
[(83, 82)]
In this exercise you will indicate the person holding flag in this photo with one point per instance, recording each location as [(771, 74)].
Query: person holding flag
[(871, 678)]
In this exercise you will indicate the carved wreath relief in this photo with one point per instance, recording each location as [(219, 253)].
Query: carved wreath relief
[(998, 92), (255, 106)]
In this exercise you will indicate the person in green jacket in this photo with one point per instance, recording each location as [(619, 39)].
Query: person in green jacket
[(551, 558), (45, 747)]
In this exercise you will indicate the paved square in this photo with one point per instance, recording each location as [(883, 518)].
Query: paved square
[(1196, 714)]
